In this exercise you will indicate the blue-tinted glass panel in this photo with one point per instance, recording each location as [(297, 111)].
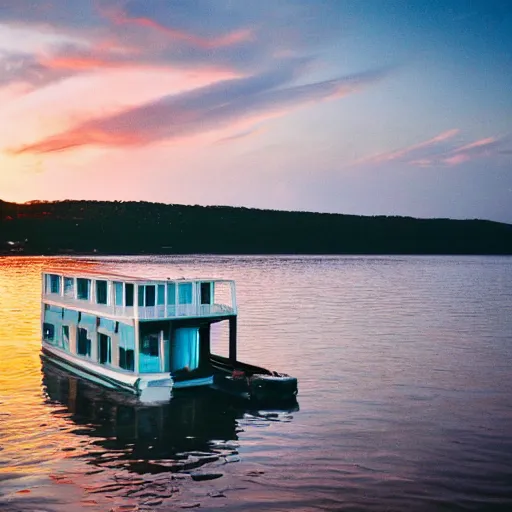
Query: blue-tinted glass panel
[(118, 291), (185, 293), (69, 287), (171, 294), (161, 295), (101, 292), (150, 295), (83, 287), (54, 283)]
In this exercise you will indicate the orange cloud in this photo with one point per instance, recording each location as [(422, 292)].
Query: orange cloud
[(202, 110), (82, 137), (78, 63)]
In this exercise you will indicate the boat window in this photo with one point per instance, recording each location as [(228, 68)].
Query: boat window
[(54, 283), (83, 346), (149, 354), (126, 359), (69, 287), (65, 337), (206, 293), (83, 287), (161, 295), (141, 295), (48, 332), (150, 295), (185, 293), (171, 294), (128, 295), (101, 292), (104, 349), (118, 291), (126, 347)]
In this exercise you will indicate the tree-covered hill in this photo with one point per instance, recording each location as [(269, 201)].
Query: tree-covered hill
[(142, 227)]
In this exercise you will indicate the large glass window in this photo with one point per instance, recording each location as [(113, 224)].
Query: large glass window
[(104, 349), (126, 347), (101, 292), (118, 292), (83, 287), (206, 293), (171, 294), (185, 293), (54, 283), (150, 295), (84, 344), (149, 354), (69, 287), (141, 295), (161, 295), (128, 290), (65, 338), (48, 332)]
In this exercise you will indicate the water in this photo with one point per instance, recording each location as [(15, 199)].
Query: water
[(405, 395)]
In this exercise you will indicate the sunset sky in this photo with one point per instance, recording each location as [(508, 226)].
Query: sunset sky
[(373, 107)]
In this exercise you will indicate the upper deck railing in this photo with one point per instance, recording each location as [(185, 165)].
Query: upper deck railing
[(136, 298)]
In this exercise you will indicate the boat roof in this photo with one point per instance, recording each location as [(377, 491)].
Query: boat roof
[(112, 276)]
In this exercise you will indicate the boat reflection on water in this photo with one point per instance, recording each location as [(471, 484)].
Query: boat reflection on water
[(197, 426)]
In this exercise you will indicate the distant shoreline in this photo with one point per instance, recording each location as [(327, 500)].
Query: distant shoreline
[(102, 228), (116, 255)]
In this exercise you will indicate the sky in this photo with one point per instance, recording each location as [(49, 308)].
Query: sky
[(365, 107)]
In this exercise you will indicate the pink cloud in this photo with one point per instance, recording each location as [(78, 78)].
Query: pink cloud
[(231, 38), (456, 159), (209, 108), (401, 153), (81, 63), (477, 144), (440, 150), (119, 17)]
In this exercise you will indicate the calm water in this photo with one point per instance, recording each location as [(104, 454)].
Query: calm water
[(405, 395)]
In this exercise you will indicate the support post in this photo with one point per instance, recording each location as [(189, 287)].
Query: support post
[(232, 339), (204, 345)]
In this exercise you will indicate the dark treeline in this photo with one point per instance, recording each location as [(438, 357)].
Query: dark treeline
[(140, 227)]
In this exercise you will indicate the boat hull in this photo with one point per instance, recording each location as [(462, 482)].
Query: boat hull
[(151, 388)]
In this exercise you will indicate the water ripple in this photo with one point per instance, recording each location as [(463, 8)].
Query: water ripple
[(405, 394)]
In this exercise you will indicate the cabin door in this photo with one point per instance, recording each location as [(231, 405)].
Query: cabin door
[(185, 349)]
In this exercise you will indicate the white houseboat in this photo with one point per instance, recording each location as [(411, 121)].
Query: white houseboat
[(148, 336)]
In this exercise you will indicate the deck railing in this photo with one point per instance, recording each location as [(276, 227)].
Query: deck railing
[(141, 312)]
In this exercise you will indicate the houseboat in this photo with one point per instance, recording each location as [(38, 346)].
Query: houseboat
[(148, 336)]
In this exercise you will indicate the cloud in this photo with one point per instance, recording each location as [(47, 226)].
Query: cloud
[(405, 153), (205, 109), (113, 33), (26, 69), (239, 135), (481, 148), (230, 38), (443, 150)]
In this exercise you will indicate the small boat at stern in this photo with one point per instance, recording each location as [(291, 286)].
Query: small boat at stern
[(149, 337)]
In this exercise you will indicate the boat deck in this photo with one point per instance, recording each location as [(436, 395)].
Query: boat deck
[(160, 312)]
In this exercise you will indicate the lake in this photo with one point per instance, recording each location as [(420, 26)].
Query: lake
[(405, 394)]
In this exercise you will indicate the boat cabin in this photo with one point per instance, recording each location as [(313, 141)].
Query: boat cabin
[(136, 333)]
